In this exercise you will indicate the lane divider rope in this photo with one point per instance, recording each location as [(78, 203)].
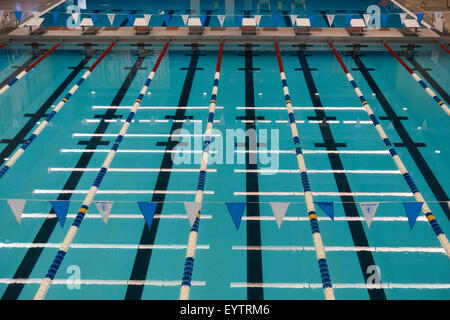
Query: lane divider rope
[(320, 251), (46, 282), (30, 67), (192, 240), (420, 81), (417, 195), (445, 48), (12, 160)]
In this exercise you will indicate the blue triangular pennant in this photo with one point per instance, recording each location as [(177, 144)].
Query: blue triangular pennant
[(419, 17), (236, 210), (148, 211), (60, 208), (412, 211), (311, 18), (327, 207), (384, 17), (130, 19), (18, 15), (239, 20), (55, 16), (167, 18), (275, 18), (202, 19), (93, 18), (348, 17)]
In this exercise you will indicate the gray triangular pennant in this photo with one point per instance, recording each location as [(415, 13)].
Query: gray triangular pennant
[(293, 19), (257, 19), (17, 206), (104, 208), (330, 18), (192, 208), (111, 17), (221, 19), (147, 18), (369, 209), (185, 18), (279, 210)]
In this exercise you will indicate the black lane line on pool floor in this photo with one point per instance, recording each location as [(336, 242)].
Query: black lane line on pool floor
[(32, 255), (358, 234), (143, 256), (254, 257), (407, 141), (22, 67), (428, 77), (12, 144)]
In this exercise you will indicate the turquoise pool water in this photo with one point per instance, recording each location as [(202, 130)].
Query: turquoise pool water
[(108, 254)]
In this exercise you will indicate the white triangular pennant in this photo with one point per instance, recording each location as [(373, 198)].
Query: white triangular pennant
[(147, 18), (111, 17), (192, 208), (330, 18), (185, 18), (369, 209), (257, 19), (76, 17), (104, 208), (293, 19), (221, 19), (402, 17), (279, 210), (366, 17), (17, 206)]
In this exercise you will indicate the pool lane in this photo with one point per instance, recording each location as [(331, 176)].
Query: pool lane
[(105, 253)]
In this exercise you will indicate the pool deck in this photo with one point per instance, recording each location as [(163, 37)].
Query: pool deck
[(231, 34)]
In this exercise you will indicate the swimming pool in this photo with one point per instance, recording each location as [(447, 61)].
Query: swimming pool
[(347, 164)]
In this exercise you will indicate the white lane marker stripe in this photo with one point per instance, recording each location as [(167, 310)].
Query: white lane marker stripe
[(280, 285), (343, 249), (316, 151), (141, 135), (127, 170), (132, 151), (101, 246), (111, 216), (301, 108), (317, 171), (56, 191), (159, 283), (295, 193), (155, 107)]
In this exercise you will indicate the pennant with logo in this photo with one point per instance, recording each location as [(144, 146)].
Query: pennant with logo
[(192, 208), (104, 208), (55, 16), (60, 208), (279, 211), (276, 19), (402, 17), (384, 17), (130, 18), (94, 18), (236, 210), (257, 19), (147, 18), (185, 18), (327, 207), (18, 15), (412, 212), (221, 19), (17, 206), (348, 17), (148, 211), (293, 19), (419, 17), (330, 18), (111, 17), (239, 20), (369, 209)]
